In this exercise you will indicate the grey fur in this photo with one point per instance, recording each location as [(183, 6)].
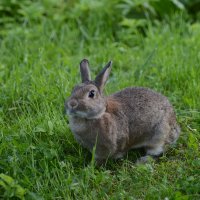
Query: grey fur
[(134, 117)]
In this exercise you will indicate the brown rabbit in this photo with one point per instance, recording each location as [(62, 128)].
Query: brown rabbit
[(132, 118)]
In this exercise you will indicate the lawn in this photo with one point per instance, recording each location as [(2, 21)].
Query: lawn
[(39, 65)]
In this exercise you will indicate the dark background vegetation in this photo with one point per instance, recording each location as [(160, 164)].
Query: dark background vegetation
[(129, 13)]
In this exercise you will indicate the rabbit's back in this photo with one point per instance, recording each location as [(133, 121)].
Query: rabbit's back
[(145, 111), (142, 103)]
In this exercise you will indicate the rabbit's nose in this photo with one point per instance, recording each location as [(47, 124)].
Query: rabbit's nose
[(73, 104)]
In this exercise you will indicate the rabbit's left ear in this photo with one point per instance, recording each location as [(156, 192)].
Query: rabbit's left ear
[(102, 77), (85, 71)]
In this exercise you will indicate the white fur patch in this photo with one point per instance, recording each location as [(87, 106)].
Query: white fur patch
[(77, 114), (139, 145), (155, 151), (81, 114), (119, 155), (85, 115)]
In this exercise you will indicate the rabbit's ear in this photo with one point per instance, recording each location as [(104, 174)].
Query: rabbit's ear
[(85, 71), (102, 77)]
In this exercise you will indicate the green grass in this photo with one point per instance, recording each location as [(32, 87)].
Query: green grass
[(39, 65)]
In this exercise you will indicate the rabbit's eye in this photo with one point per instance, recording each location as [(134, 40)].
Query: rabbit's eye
[(91, 94)]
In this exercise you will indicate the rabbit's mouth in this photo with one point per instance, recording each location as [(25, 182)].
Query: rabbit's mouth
[(76, 113), (86, 115), (71, 111)]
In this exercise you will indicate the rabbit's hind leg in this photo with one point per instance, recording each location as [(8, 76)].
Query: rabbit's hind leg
[(156, 145), (154, 151), (151, 153)]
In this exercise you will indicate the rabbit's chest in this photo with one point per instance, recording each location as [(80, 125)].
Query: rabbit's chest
[(77, 126), (80, 126), (84, 132)]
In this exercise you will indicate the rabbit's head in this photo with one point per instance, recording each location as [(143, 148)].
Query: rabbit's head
[(86, 100)]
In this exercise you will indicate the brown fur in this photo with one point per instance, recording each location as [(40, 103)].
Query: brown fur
[(113, 106), (132, 118)]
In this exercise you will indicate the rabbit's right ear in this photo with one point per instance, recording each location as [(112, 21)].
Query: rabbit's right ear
[(85, 71), (102, 77)]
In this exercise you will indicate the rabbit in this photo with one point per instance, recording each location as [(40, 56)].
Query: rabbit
[(135, 117)]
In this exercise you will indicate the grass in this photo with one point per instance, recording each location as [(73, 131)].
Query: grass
[(39, 65)]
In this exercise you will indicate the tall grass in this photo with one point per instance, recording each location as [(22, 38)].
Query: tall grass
[(39, 58)]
